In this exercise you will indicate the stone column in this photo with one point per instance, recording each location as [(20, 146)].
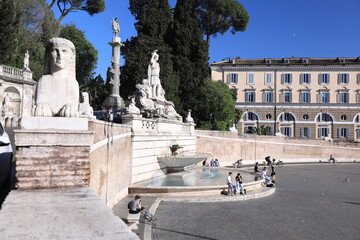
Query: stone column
[(114, 100)]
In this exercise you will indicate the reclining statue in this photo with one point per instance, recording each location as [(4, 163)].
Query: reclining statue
[(57, 91)]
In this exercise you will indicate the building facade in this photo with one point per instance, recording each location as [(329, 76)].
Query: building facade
[(298, 97), (17, 89)]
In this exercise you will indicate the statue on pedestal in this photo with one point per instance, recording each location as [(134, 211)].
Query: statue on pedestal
[(115, 26), (150, 97), (189, 118), (57, 91), (154, 74), (26, 61)]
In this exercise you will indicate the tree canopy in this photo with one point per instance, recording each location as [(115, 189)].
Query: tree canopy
[(67, 6), (9, 31), (86, 54), (218, 16)]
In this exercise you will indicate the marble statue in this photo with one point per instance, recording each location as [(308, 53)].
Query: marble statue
[(115, 26), (154, 74), (233, 128), (6, 104), (85, 110), (57, 91), (132, 109), (150, 96), (26, 60), (188, 118)]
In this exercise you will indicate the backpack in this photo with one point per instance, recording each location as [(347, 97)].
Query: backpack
[(130, 204), (223, 192)]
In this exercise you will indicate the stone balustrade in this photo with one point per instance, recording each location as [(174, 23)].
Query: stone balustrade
[(15, 73)]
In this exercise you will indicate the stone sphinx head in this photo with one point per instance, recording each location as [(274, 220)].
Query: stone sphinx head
[(60, 55)]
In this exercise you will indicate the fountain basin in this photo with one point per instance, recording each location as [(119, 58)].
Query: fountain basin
[(193, 182)]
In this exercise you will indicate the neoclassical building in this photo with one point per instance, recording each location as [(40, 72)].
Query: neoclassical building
[(299, 97), (17, 90)]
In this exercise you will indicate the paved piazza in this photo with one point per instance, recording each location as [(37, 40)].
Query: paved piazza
[(311, 202)]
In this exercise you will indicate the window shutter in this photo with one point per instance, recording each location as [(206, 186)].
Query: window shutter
[(347, 132), (228, 78), (319, 80), (290, 78), (282, 78), (319, 132), (339, 78), (301, 132), (338, 132), (236, 78)]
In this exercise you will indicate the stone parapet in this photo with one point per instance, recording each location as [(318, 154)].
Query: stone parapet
[(52, 158)]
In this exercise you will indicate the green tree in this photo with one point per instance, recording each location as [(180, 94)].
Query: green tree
[(218, 16), (216, 108), (86, 54), (66, 6), (9, 31), (152, 20), (190, 54), (95, 87)]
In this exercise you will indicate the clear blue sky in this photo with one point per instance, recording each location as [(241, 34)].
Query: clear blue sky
[(277, 28)]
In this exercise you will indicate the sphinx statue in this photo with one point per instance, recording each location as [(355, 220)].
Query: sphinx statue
[(85, 110), (57, 91)]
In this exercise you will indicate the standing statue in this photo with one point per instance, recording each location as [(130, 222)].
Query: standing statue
[(115, 26), (6, 104), (26, 60), (57, 91), (154, 74)]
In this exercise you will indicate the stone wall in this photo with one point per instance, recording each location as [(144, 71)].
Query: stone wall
[(110, 160), (152, 138), (52, 158), (229, 147)]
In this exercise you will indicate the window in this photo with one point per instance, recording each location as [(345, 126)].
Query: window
[(286, 131), (324, 117), (343, 96), (249, 96), (268, 116), (358, 78), (323, 132), (324, 97), (305, 78), (286, 96), (250, 79), (343, 132), (343, 78), (343, 117), (324, 78), (305, 132), (305, 96), (250, 116), (268, 96), (305, 61), (286, 61), (286, 78), (305, 116), (268, 78), (287, 117), (268, 61), (358, 133), (232, 78)]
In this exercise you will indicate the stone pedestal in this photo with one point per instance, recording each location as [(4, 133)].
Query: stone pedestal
[(51, 157), (114, 101), (151, 139)]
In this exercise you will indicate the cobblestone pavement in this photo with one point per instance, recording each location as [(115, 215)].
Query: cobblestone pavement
[(311, 202)]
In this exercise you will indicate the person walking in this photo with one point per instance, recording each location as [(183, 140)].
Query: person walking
[(273, 174)]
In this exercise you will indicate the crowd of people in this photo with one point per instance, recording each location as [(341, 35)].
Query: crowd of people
[(213, 163)]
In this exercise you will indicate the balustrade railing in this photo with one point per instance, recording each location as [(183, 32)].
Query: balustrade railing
[(16, 73)]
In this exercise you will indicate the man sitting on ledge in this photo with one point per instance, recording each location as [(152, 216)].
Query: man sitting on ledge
[(331, 158)]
